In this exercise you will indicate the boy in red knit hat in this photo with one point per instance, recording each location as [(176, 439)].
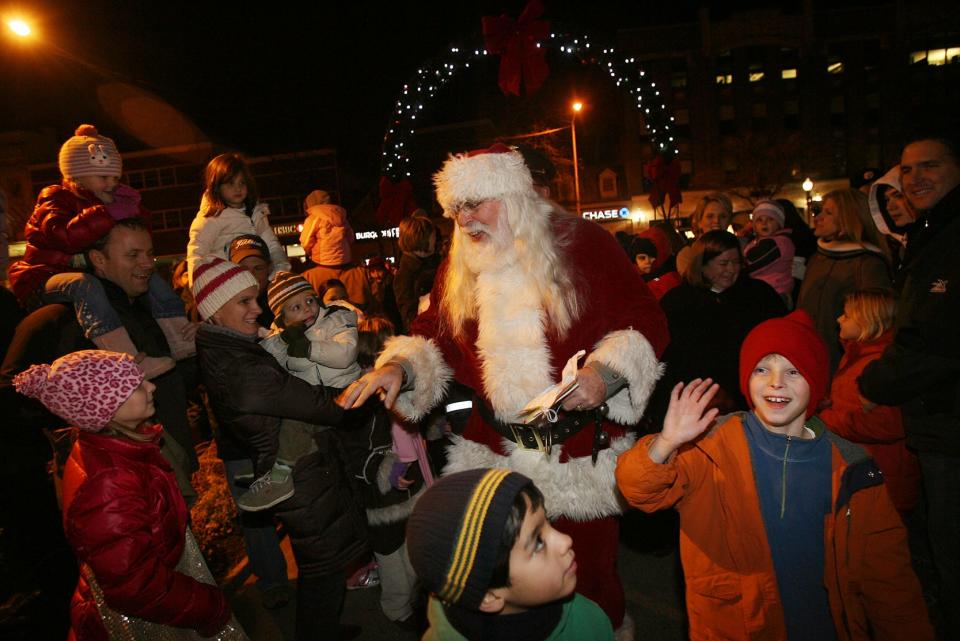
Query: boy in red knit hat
[(787, 531)]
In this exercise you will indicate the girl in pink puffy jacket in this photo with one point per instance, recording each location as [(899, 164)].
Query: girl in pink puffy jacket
[(75, 217), (769, 256)]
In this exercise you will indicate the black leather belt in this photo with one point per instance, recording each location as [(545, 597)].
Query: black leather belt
[(537, 437)]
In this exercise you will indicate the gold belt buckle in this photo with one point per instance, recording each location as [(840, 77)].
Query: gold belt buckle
[(543, 445)]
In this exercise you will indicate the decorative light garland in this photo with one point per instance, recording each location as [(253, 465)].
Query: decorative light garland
[(432, 76)]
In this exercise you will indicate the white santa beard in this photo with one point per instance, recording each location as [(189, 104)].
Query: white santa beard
[(511, 340), (493, 253)]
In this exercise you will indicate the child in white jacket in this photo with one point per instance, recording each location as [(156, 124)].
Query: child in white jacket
[(229, 208), (316, 344)]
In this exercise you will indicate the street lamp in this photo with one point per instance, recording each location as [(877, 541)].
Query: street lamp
[(808, 188), (576, 106), (19, 27)]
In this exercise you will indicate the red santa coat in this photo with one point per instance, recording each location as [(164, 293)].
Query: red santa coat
[(879, 431), (506, 360)]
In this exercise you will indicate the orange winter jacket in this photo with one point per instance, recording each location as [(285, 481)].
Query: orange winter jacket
[(879, 431), (732, 591)]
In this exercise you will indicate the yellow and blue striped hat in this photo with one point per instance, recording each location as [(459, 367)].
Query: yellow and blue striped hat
[(454, 532)]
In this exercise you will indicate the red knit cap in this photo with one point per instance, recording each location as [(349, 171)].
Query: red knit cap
[(794, 338)]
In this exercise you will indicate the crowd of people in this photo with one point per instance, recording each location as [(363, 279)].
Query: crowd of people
[(466, 430)]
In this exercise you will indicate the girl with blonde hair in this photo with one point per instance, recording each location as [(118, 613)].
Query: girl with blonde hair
[(850, 256)]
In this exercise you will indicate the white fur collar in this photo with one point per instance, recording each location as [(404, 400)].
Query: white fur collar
[(511, 340)]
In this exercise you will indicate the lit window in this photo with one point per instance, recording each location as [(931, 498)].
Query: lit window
[(835, 67), (918, 56), (756, 76), (937, 57), (725, 79), (788, 74), (952, 54)]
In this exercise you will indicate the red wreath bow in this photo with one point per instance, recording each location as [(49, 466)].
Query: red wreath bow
[(396, 201), (665, 178), (516, 43)]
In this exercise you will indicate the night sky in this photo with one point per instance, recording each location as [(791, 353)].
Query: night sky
[(265, 78)]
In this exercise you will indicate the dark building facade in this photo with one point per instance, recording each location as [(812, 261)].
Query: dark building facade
[(769, 96)]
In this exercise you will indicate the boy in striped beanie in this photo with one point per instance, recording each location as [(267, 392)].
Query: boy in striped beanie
[(495, 568), (316, 344)]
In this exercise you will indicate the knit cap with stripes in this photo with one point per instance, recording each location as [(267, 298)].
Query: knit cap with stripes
[(455, 532), (215, 282), (282, 287)]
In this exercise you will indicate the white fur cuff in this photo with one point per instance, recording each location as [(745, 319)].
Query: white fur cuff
[(431, 374), (629, 353), (577, 489)]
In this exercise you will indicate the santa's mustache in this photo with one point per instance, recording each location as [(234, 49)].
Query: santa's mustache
[(473, 227)]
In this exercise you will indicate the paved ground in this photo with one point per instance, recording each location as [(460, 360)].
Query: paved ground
[(648, 566)]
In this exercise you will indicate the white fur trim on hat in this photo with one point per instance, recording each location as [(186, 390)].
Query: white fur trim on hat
[(216, 282), (485, 175), (89, 154)]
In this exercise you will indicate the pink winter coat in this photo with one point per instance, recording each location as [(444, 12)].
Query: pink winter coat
[(770, 259)]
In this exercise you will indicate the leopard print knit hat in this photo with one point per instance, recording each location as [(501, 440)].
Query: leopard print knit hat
[(84, 388)]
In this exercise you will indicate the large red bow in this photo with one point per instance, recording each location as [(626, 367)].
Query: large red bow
[(516, 42), (396, 201), (665, 178)]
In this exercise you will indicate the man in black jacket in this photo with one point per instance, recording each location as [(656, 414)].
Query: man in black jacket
[(123, 261), (921, 370)]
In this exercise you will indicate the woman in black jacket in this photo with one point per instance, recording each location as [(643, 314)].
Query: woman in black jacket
[(249, 393), (709, 315)]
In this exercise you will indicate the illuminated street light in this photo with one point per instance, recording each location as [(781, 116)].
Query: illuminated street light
[(19, 27), (808, 188), (576, 106)]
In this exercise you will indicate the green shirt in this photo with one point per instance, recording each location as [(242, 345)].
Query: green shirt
[(582, 620)]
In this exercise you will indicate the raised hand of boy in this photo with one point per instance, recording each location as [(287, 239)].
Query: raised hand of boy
[(687, 417)]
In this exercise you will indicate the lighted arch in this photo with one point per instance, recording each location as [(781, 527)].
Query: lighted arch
[(431, 77)]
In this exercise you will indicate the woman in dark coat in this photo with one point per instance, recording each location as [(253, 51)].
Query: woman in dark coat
[(709, 315), (418, 264), (250, 392)]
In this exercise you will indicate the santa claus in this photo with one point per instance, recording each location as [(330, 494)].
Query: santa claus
[(527, 286)]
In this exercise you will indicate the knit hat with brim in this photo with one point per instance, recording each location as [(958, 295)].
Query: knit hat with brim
[(216, 282), (795, 338), (89, 154), (771, 209), (484, 174), (84, 388), (455, 530), (284, 286)]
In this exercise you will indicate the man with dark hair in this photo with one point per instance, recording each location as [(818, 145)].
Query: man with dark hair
[(123, 261), (920, 370), (252, 253)]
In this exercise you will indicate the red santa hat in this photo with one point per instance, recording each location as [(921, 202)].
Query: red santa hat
[(483, 174), (795, 338)]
